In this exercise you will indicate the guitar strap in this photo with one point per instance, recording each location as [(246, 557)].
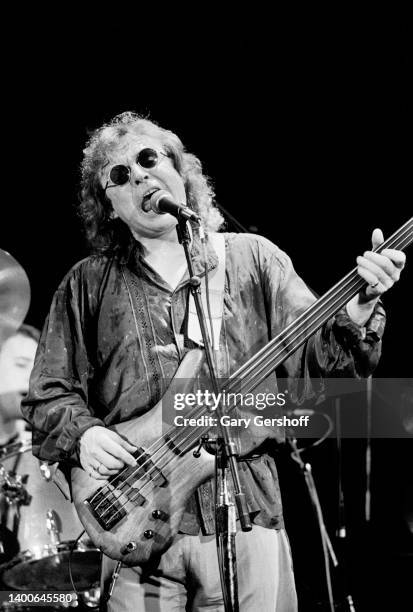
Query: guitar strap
[(145, 332), (216, 281)]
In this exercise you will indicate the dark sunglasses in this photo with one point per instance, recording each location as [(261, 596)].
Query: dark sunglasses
[(146, 158)]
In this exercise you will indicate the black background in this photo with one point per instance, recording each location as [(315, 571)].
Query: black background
[(305, 129)]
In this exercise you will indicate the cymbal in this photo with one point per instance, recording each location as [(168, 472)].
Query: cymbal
[(14, 295)]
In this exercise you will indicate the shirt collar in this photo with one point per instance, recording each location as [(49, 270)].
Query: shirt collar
[(134, 249), (198, 256)]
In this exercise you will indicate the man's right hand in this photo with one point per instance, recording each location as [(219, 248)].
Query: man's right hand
[(103, 452)]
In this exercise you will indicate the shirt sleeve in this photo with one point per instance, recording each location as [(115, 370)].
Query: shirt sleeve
[(57, 403), (340, 348)]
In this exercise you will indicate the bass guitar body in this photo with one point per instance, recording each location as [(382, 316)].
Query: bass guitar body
[(135, 515)]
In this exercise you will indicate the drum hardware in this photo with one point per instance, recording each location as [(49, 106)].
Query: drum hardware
[(49, 571), (21, 557), (45, 471), (38, 526), (84, 545), (53, 531), (91, 598), (46, 527), (9, 546), (12, 486), (12, 450)]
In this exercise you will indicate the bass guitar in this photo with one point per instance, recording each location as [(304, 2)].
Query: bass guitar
[(136, 514)]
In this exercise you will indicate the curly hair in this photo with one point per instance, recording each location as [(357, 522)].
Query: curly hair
[(107, 235)]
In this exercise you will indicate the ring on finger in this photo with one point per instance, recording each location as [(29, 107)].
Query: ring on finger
[(375, 285)]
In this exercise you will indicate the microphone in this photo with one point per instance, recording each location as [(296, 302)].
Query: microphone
[(161, 202)]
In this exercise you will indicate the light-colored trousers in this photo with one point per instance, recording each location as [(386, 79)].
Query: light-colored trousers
[(187, 576)]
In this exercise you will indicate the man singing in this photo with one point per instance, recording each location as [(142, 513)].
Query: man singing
[(118, 327)]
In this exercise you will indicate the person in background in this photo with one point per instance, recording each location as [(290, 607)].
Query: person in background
[(16, 363), (17, 354)]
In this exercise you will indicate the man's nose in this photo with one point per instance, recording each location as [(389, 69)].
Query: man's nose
[(139, 174)]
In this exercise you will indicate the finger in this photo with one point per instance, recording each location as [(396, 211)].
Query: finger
[(120, 438), (115, 437), (96, 475), (126, 457), (107, 472), (375, 270), (113, 446), (102, 468), (397, 257), (127, 445), (377, 238), (109, 461), (375, 286), (384, 263)]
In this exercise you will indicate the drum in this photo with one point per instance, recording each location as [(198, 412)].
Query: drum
[(42, 525)]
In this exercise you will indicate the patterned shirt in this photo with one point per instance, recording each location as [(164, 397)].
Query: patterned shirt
[(116, 332)]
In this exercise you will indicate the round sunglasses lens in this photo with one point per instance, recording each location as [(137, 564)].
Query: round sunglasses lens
[(147, 158), (119, 175)]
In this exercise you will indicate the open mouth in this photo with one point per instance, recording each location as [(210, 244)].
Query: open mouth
[(145, 200)]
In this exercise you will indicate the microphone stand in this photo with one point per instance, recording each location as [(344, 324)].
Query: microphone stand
[(328, 550), (226, 455), (369, 407), (341, 531)]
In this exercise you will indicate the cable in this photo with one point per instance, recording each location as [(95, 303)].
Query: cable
[(72, 549)]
